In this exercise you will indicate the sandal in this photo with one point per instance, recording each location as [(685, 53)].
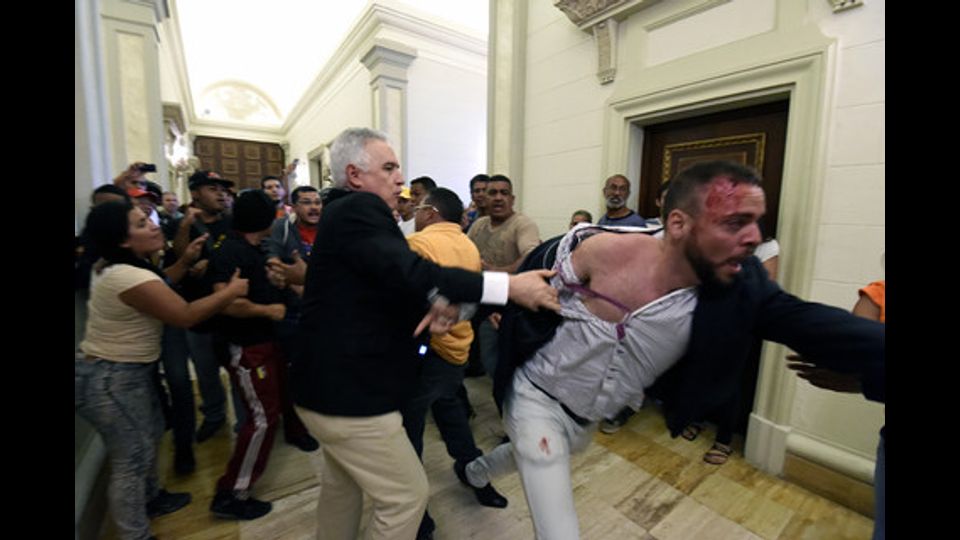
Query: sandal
[(692, 431), (717, 454)]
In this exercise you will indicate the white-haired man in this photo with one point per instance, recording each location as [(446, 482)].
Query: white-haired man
[(365, 292)]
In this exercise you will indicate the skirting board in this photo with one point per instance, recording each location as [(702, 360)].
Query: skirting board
[(830, 484)]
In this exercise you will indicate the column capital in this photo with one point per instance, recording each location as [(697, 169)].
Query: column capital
[(390, 59)]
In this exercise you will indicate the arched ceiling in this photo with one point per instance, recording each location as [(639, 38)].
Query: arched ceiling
[(251, 60)]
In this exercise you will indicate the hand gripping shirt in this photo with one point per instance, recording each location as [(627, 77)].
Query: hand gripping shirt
[(595, 367)]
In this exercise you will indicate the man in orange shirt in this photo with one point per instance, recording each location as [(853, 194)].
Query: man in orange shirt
[(439, 238)]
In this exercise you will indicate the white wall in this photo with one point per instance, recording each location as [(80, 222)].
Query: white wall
[(563, 125), (347, 103), (566, 134), (852, 221), (446, 125)]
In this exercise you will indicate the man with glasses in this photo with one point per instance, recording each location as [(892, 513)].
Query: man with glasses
[(616, 191), (291, 241), (438, 238)]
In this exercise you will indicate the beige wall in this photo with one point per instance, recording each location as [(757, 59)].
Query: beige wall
[(674, 59)]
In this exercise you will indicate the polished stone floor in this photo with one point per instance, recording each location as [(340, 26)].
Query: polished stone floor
[(637, 484)]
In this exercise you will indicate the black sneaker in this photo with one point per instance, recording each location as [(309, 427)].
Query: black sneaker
[(304, 442), (226, 505), (183, 461), (208, 429), (166, 502)]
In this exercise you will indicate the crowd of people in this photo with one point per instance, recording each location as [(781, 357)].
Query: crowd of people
[(346, 315)]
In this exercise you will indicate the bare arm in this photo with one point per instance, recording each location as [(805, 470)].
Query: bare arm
[(156, 299), (182, 239), (177, 270), (294, 274), (242, 308), (867, 309)]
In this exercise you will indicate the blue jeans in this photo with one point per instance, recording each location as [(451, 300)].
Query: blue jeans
[(173, 356), (120, 401), (207, 366)]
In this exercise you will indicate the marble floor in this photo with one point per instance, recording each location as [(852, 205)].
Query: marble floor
[(636, 484)]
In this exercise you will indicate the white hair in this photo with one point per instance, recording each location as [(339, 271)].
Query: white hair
[(350, 148)]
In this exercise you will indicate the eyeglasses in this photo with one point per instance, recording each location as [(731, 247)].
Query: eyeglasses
[(422, 206)]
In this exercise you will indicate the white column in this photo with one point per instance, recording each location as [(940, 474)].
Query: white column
[(91, 147), (387, 62), (505, 91), (132, 76)]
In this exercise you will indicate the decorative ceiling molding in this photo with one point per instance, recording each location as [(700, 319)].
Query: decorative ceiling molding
[(601, 18), (586, 13), (843, 5)]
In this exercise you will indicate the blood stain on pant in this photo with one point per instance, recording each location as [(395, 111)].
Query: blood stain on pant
[(544, 446)]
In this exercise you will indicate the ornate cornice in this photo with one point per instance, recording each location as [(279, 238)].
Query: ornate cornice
[(586, 13), (600, 18), (843, 5)]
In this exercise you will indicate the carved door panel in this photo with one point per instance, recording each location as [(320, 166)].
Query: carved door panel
[(244, 162), (753, 136)]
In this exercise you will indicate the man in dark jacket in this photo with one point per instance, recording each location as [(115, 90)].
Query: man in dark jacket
[(686, 307), (364, 294)]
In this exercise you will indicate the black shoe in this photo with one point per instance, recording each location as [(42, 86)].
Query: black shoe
[(487, 496), (226, 506), (166, 502), (304, 442), (183, 461), (208, 429), (427, 526)]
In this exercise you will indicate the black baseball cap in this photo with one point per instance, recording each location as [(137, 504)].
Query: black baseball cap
[(207, 178)]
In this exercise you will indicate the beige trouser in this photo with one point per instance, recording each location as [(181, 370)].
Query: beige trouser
[(367, 455)]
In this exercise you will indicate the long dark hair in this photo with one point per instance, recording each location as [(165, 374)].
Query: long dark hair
[(108, 226)]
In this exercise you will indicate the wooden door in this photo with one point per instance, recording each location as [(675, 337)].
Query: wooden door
[(754, 136), (244, 162)]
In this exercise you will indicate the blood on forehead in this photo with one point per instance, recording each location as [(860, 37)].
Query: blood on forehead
[(724, 197)]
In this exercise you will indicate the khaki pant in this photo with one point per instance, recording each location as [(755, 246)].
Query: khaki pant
[(367, 455)]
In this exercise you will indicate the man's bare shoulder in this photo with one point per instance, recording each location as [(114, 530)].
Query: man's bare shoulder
[(618, 244), (608, 250)]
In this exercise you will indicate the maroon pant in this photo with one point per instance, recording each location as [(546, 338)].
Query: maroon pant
[(258, 371)]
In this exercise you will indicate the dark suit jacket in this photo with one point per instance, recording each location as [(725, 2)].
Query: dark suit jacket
[(364, 294), (728, 319), (726, 322)]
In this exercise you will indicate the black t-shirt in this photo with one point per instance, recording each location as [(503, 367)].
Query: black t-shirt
[(235, 252), (190, 287)]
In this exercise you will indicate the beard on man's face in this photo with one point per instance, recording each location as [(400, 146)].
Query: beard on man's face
[(615, 202), (705, 271)]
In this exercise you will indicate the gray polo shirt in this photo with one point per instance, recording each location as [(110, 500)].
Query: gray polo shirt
[(588, 367)]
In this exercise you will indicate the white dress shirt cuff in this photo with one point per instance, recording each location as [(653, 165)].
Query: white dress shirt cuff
[(496, 288)]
